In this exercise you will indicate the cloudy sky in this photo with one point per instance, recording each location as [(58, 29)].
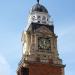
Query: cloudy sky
[(13, 20)]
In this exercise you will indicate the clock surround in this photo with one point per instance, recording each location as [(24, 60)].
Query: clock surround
[(44, 43)]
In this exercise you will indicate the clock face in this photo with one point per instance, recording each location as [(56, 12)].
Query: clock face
[(44, 43)]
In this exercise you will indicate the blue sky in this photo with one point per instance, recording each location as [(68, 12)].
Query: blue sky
[(13, 19)]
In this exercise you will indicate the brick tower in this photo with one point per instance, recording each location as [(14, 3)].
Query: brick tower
[(40, 54)]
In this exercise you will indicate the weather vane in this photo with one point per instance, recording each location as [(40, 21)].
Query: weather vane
[(38, 1)]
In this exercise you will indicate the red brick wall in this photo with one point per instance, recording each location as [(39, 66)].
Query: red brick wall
[(44, 69)]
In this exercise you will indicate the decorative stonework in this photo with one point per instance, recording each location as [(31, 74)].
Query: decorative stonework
[(31, 48)]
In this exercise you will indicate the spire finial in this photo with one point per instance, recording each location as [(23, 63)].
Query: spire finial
[(38, 1)]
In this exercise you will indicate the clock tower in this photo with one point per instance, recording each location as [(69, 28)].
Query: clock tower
[(39, 41)]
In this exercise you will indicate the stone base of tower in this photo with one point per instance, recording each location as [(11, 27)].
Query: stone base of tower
[(41, 69)]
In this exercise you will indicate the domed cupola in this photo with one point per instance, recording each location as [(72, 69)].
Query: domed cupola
[(39, 8), (39, 14)]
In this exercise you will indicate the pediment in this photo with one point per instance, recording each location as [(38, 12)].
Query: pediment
[(44, 30)]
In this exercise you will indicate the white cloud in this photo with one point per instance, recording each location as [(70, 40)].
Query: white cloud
[(4, 66)]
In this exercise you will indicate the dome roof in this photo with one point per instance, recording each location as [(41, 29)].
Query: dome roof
[(39, 8)]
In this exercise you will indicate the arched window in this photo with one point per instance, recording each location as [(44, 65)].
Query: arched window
[(38, 17), (43, 18)]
